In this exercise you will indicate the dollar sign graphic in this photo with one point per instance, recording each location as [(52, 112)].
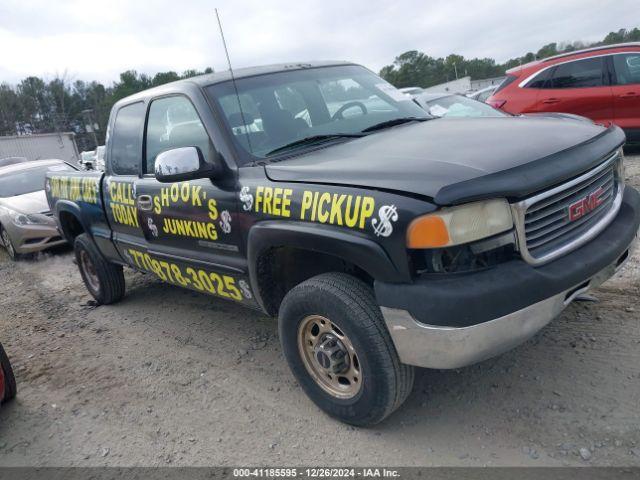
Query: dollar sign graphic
[(246, 198), (246, 291), (382, 227), (152, 227), (225, 221)]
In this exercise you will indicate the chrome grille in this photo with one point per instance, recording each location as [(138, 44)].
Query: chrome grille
[(546, 228)]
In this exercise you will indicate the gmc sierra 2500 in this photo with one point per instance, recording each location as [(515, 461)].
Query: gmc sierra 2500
[(381, 237)]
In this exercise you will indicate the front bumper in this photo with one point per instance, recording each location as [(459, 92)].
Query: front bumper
[(34, 238), (458, 320)]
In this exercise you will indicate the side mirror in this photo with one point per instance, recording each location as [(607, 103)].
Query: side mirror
[(184, 163)]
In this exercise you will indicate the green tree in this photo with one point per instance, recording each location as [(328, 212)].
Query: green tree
[(548, 50), (416, 69)]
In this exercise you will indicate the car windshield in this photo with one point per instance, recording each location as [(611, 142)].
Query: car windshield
[(26, 181), (459, 106), (329, 103)]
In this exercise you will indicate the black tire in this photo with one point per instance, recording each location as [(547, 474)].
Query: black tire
[(8, 245), (350, 303), (9, 378), (106, 284)]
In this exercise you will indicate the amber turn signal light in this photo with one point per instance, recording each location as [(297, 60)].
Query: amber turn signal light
[(427, 232)]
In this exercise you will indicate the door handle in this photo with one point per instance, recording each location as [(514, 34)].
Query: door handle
[(551, 100), (145, 202), (629, 95)]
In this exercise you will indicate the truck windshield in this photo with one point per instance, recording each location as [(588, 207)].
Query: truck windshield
[(26, 181), (327, 104)]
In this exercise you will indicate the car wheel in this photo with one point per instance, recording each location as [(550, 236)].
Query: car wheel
[(103, 279), (339, 349), (9, 378), (8, 244)]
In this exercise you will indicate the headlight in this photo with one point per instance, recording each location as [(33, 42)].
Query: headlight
[(458, 225), (22, 219)]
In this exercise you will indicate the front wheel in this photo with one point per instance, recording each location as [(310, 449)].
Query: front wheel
[(103, 279), (337, 346), (9, 378), (8, 244)]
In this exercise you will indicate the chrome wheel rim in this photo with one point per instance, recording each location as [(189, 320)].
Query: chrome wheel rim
[(329, 357), (7, 244), (89, 271)]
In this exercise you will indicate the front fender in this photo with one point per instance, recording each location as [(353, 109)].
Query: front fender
[(356, 249)]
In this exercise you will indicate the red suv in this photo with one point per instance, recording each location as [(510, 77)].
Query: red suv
[(601, 83)]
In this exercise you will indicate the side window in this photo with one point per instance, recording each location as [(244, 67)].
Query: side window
[(126, 145), (627, 68), (579, 74), (540, 80), (173, 123)]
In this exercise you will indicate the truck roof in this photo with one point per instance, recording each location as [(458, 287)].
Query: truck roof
[(223, 76)]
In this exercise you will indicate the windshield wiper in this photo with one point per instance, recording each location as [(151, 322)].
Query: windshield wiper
[(395, 121), (313, 139)]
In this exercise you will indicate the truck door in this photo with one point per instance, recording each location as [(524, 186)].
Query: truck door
[(580, 87), (122, 171), (190, 224), (626, 93)]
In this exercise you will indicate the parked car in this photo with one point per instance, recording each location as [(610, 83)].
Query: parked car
[(601, 83), (483, 94), (7, 379), (92, 159), (87, 160), (99, 157), (5, 162), (26, 222), (382, 240), (412, 90), (448, 105)]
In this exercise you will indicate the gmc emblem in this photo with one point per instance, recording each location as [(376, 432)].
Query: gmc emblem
[(585, 205)]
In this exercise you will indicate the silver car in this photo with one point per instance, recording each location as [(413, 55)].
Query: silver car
[(453, 105), (26, 224)]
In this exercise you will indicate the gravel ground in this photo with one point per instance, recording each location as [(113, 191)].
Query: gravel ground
[(171, 377)]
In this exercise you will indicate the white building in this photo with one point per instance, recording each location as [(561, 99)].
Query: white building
[(461, 85), (486, 82), (40, 146)]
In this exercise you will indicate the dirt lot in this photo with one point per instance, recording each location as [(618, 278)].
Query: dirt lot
[(171, 377)]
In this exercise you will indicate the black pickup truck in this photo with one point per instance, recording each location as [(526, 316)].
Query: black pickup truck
[(382, 238)]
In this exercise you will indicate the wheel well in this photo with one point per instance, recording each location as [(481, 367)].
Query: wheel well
[(70, 225), (282, 268)]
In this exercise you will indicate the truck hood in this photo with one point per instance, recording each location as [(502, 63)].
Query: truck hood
[(34, 202), (452, 160)]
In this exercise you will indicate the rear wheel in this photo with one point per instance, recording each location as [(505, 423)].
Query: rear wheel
[(8, 244), (103, 279), (9, 378), (338, 348)]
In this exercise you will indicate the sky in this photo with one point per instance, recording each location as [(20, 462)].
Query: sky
[(91, 40)]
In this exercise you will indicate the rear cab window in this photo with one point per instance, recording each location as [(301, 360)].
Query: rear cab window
[(126, 139)]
